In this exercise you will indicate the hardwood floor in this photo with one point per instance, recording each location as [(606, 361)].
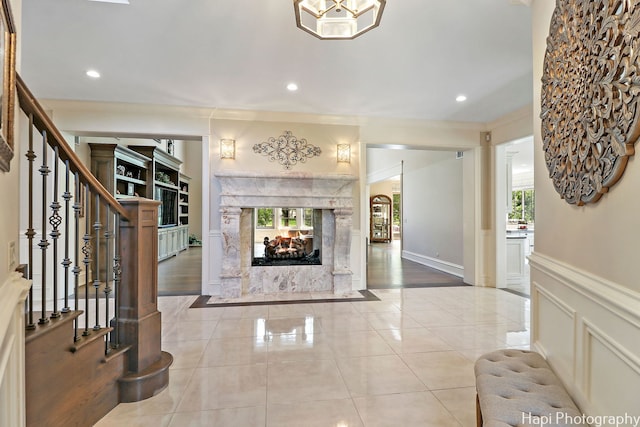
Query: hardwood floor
[(386, 269), (181, 274)]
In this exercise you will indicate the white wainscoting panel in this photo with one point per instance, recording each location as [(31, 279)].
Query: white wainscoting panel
[(13, 293), (438, 264), (588, 328), (212, 284), (356, 260)]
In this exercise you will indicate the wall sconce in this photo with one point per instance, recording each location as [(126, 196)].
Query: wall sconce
[(227, 148), (344, 153)]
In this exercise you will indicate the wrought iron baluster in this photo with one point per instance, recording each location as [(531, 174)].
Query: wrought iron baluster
[(117, 272), (31, 156), (97, 226), (87, 251), (66, 262), (55, 220), (44, 244), (77, 206), (107, 267)]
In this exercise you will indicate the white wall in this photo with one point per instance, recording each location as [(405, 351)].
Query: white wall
[(585, 286), (433, 213)]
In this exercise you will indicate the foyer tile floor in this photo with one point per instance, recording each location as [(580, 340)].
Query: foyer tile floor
[(406, 360)]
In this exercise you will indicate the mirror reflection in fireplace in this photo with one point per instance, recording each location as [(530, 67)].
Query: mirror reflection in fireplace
[(287, 236)]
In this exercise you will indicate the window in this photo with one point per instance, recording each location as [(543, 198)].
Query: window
[(308, 217), (264, 217), (288, 218), (523, 205)]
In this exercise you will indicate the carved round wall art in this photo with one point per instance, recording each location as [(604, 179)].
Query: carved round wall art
[(287, 149), (590, 87)]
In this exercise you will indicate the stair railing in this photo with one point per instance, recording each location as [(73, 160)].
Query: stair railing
[(73, 221)]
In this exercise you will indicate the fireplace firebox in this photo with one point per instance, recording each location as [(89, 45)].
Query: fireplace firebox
[(287, 236)]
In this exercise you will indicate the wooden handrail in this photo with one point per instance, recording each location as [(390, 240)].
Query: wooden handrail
[(30, 105)]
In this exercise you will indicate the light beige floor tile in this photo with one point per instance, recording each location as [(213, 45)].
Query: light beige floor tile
[(231, 417), (321, 413), (300, 325), (225, 387), (141, 421), (442, 369), (240, 327), (195, 315), (406, 409), (375, 306), (186, 354), (373, 375), (234, 351), (304, 381), (359, 344), (188, 331), (391, 320), (339, 324), (297, 347), (435, 318), (461, 403), (290, 310), (246, 312), (332, 308), (414, 340), (467, 336)]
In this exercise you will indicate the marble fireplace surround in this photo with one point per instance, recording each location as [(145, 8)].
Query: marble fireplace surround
[(243, 191)]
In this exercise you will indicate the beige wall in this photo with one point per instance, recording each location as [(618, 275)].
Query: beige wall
[(584, 277)]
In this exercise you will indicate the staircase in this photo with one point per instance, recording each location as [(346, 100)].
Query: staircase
[(92, 324)]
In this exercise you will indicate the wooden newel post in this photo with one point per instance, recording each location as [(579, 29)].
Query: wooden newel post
[(139, 321)]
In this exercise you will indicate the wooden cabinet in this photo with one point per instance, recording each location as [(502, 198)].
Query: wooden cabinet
[(380, 219), (122, 171), (148, 171)]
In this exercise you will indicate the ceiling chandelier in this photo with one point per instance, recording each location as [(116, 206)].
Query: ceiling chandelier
[(338, 19)]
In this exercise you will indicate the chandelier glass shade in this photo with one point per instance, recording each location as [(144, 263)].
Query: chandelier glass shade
[(338, 19)]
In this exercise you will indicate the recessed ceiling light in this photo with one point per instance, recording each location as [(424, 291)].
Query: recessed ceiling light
[(461, 98), (292, 87), (93, 74)]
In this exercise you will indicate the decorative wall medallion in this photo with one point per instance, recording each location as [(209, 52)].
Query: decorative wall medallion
[(590, 87), (287, 149)]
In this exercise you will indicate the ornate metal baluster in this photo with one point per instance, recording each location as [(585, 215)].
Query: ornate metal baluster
[(44, 244), (107, 280), (77, 206), (86, 250), (97, 226), (66, 262), (31, 156), (117, 272), (55, 220)]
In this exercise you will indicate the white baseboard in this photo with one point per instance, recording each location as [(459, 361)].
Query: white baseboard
[(438, 264)]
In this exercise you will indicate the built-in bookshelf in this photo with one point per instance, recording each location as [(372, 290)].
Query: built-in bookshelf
[(148, 171)]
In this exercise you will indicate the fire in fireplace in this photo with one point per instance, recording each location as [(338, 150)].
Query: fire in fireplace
[(287, 236)]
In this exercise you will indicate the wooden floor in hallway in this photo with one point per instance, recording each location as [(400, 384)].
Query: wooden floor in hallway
[(387, 269), (181, 274)]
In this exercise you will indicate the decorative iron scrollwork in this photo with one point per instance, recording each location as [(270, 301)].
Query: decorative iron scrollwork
[(287, 149), (589, 100)]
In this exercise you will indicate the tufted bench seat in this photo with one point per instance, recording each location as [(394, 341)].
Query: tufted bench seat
[(518, 388)]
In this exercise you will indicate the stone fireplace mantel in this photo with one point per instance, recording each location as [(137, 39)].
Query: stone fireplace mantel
[(243, 191)]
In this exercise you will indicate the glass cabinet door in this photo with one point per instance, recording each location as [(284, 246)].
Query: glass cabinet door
[(380, 219)]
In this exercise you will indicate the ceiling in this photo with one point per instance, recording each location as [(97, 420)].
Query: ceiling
[(241, 54)]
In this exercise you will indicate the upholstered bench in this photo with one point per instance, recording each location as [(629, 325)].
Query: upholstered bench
[(518, 388)]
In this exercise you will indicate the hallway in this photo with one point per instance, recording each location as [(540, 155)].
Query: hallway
[(387, 269)]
